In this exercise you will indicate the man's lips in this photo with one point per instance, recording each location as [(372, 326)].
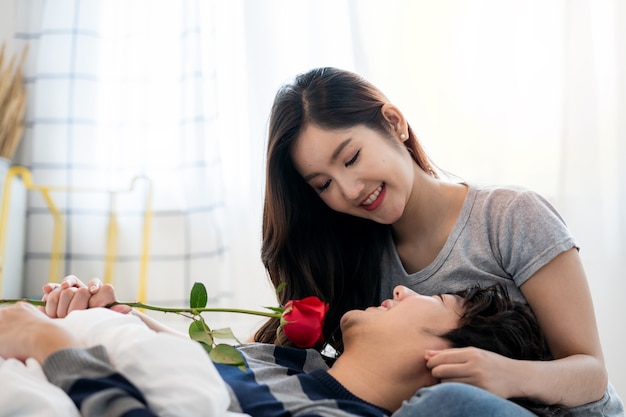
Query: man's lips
[(375, 199)]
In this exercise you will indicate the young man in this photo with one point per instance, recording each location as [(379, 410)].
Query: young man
[(385, 361)]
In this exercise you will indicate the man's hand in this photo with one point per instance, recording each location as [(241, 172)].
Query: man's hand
[(26, 332), (72, 294)]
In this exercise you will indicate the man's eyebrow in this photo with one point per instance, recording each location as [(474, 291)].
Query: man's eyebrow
[(333, 158), (458, 302), (457, 299)]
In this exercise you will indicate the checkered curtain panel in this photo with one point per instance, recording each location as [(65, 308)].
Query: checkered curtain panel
[(123, 90)]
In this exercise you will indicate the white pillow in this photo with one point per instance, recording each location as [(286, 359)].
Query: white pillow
[(25, 392)]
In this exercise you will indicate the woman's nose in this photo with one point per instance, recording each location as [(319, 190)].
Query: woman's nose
[(351, 189)]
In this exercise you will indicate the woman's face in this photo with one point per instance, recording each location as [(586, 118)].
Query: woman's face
[(356, 171)]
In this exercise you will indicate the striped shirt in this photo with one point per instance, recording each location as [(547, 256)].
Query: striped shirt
[(283, 381), (97, 390)]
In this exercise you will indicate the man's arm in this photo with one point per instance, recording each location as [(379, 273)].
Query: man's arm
[(86, 375), (97, 390)]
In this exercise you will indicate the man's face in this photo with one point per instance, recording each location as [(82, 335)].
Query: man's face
[(409, 318)]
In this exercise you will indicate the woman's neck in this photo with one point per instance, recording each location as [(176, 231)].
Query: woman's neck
[(430, 215)]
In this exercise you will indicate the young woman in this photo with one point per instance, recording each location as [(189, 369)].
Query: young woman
[(353, 207)]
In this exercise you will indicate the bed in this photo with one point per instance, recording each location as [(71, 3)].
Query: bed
[(186, 384)]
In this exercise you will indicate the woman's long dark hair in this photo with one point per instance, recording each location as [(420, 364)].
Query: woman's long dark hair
[(493, 321), (306, 245)]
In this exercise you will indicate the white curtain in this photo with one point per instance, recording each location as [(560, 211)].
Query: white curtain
[(125, 89), (501, 92)]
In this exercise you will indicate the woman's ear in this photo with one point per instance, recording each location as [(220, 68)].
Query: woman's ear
[(396, 119)]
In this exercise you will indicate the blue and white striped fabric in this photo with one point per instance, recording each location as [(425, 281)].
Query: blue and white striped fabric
[(285, 381), (119, 89)]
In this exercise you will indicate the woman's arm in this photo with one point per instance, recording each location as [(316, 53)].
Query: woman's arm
[(560, 298)]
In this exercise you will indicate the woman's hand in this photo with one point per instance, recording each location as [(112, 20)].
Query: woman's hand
[(72, 294), (478, 367), (26, 332), (577, 374)]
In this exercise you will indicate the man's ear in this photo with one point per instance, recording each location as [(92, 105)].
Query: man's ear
[(396, 119)]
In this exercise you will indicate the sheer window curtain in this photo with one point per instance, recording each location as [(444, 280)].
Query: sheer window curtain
[(120, 89)]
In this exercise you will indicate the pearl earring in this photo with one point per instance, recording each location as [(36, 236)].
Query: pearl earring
[(402, 136)]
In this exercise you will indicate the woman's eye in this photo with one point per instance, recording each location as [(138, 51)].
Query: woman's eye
[(324, 186), (354, 158)]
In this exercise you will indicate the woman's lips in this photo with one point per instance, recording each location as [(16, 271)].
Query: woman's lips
[(375, 199)]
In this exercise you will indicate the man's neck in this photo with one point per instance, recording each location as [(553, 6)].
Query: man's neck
[(378, 381)]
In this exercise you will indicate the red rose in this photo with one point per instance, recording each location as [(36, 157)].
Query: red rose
[(303, 321)]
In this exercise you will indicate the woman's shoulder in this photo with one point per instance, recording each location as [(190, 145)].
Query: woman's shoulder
[(514, 206), (506, 195), (500, 191)]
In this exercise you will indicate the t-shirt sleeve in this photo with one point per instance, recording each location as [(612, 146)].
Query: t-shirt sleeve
[(97, 390), (530, 233)]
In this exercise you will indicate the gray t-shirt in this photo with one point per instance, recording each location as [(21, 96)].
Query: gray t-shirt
[(503, 235)]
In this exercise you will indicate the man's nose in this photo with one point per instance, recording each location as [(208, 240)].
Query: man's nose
[(400, 292)]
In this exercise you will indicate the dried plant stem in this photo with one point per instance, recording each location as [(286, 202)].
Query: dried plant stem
[(12, 104)]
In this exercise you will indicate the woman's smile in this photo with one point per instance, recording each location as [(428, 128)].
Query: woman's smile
[(375, 199)]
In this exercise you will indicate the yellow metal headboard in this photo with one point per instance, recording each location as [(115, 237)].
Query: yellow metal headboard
[(58, 238)]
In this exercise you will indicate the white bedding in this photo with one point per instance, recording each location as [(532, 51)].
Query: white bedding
[(175, 374)]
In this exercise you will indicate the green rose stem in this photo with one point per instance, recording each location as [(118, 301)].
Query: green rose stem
[(194, 311), (198, 330), (197, 311), (17, 300)]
